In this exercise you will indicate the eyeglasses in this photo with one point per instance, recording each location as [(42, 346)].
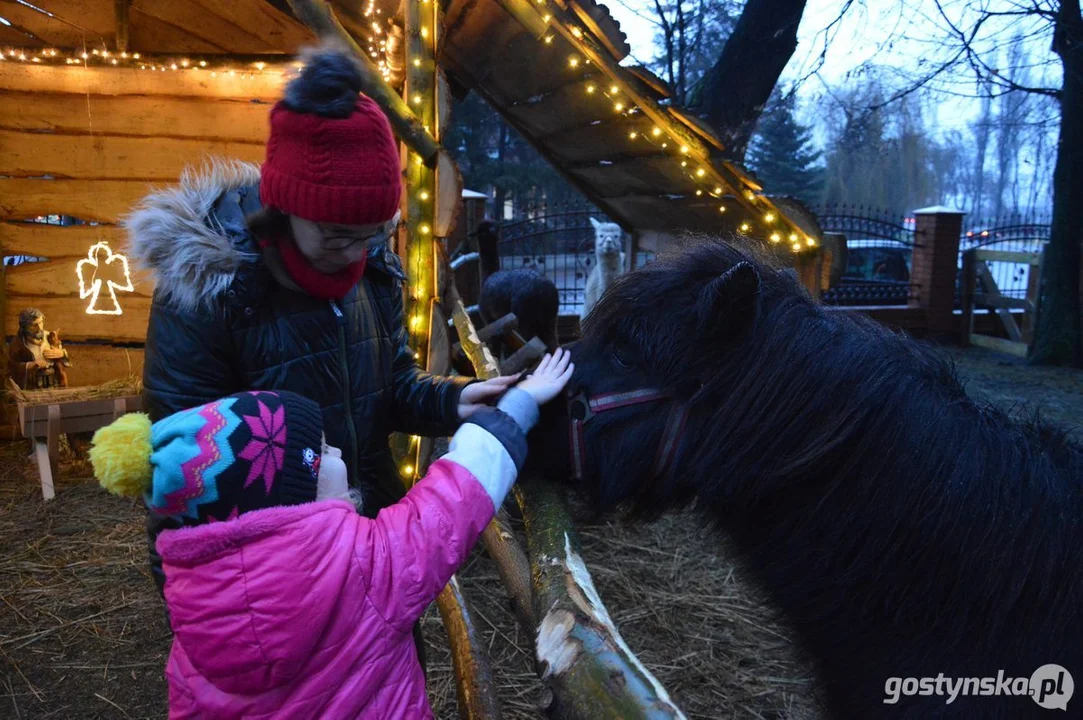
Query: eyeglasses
[(337, 242)]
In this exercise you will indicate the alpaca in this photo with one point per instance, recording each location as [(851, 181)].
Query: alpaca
[(609, 263), (899, 528)]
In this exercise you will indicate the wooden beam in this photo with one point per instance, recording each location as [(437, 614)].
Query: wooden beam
[(318, 16), (55, 241), (1001, 301), (57, 278), (989, 285), (239, 26), (1008, 256), (120, 10), (69, 313), (65, 27), (690, 144), (225, 120), (277, 30), (88, 200), (29, 77), (111, 158), (1000, 345)]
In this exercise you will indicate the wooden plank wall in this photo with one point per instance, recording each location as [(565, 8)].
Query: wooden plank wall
[(88, 143)]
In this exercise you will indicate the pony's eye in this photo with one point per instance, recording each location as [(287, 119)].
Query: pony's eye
[(622, 358)]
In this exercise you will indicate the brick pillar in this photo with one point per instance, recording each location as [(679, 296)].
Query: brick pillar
[(935, 265)]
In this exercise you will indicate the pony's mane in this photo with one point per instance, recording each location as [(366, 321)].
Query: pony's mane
[(850, 468)]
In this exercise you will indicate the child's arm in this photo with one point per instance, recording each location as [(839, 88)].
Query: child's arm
[(412, 548)]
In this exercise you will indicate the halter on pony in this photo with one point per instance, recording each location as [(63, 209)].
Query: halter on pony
[(582, 408)]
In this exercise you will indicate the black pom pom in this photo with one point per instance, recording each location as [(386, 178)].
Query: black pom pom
[(328, 84)]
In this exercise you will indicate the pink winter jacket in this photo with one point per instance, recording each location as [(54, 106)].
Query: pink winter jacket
[(306, 611)]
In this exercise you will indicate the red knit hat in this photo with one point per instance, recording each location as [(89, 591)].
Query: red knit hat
[(331, 156)]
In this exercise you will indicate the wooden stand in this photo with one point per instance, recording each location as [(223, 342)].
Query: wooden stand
[(47, 414)]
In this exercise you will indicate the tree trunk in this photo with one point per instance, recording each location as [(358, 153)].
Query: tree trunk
[(1058, 335), (738, 85)]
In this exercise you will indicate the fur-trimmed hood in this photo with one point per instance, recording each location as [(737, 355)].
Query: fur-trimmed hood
[(175, 235)]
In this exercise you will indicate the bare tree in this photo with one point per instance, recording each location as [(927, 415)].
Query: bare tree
[(974, 34)]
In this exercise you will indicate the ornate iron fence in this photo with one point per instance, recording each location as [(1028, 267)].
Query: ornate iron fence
[(557, 241)]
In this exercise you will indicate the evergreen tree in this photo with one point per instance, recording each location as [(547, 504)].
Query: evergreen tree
[(781, 152)]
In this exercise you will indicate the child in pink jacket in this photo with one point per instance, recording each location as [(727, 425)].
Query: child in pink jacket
[(285, 602)]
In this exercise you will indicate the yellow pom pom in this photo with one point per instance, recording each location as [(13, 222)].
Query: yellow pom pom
[(120, 454)]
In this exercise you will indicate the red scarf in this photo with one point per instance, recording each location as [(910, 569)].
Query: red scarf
[(318, 284)]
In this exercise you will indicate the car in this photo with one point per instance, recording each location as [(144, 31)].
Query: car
[(875, 259)]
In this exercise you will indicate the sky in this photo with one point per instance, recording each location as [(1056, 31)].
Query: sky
[(898, 33)]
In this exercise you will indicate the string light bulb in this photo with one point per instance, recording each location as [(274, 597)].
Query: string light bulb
[(745, 227), (424, 195), (656, 131), (775, 237), (632, 135), (424, 229), (590, 89), (810, 242), (769, 217), (577, 32), (721, 208), (684, 149), (614, 89), (548, 39), (619, 106), (793, 237), (701, 172), (407, 470), (573, 61)]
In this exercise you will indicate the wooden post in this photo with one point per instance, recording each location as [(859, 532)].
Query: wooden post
[(966, 326), (581, 657), (120, 10), (317, 15)]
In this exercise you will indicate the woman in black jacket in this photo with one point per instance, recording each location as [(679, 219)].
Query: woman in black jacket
[(280, 277)]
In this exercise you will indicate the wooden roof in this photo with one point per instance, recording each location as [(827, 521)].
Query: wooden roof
[(550, 67)]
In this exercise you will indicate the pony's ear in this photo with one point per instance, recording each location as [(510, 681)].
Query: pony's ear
[(731, 301)]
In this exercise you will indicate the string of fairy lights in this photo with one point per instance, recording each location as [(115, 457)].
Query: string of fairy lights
[(421, 91), (704, 177), (600, 85), (225, 69)]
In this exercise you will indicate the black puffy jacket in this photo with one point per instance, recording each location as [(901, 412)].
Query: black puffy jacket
[(220, 323)]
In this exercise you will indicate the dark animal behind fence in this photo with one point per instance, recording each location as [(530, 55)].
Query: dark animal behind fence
[(901, 529), (530, 295)]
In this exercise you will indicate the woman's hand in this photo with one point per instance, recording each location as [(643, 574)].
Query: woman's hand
[(475, 395), (550, 377)]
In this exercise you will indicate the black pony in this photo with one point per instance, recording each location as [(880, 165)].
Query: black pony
[(901, 529)]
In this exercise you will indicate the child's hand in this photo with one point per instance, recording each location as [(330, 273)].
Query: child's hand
[(550, 377)]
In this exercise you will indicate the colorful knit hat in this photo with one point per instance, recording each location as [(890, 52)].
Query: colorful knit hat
[(331, 155), (245, 452)]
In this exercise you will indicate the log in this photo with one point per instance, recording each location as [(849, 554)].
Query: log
[(589, 669), (112, 158), (317, 14), (266, 85), (498, 539), (533, 350), (69, 314), (88, 200), (120, 10), (227, 120), (58, 278), (56, 241)]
